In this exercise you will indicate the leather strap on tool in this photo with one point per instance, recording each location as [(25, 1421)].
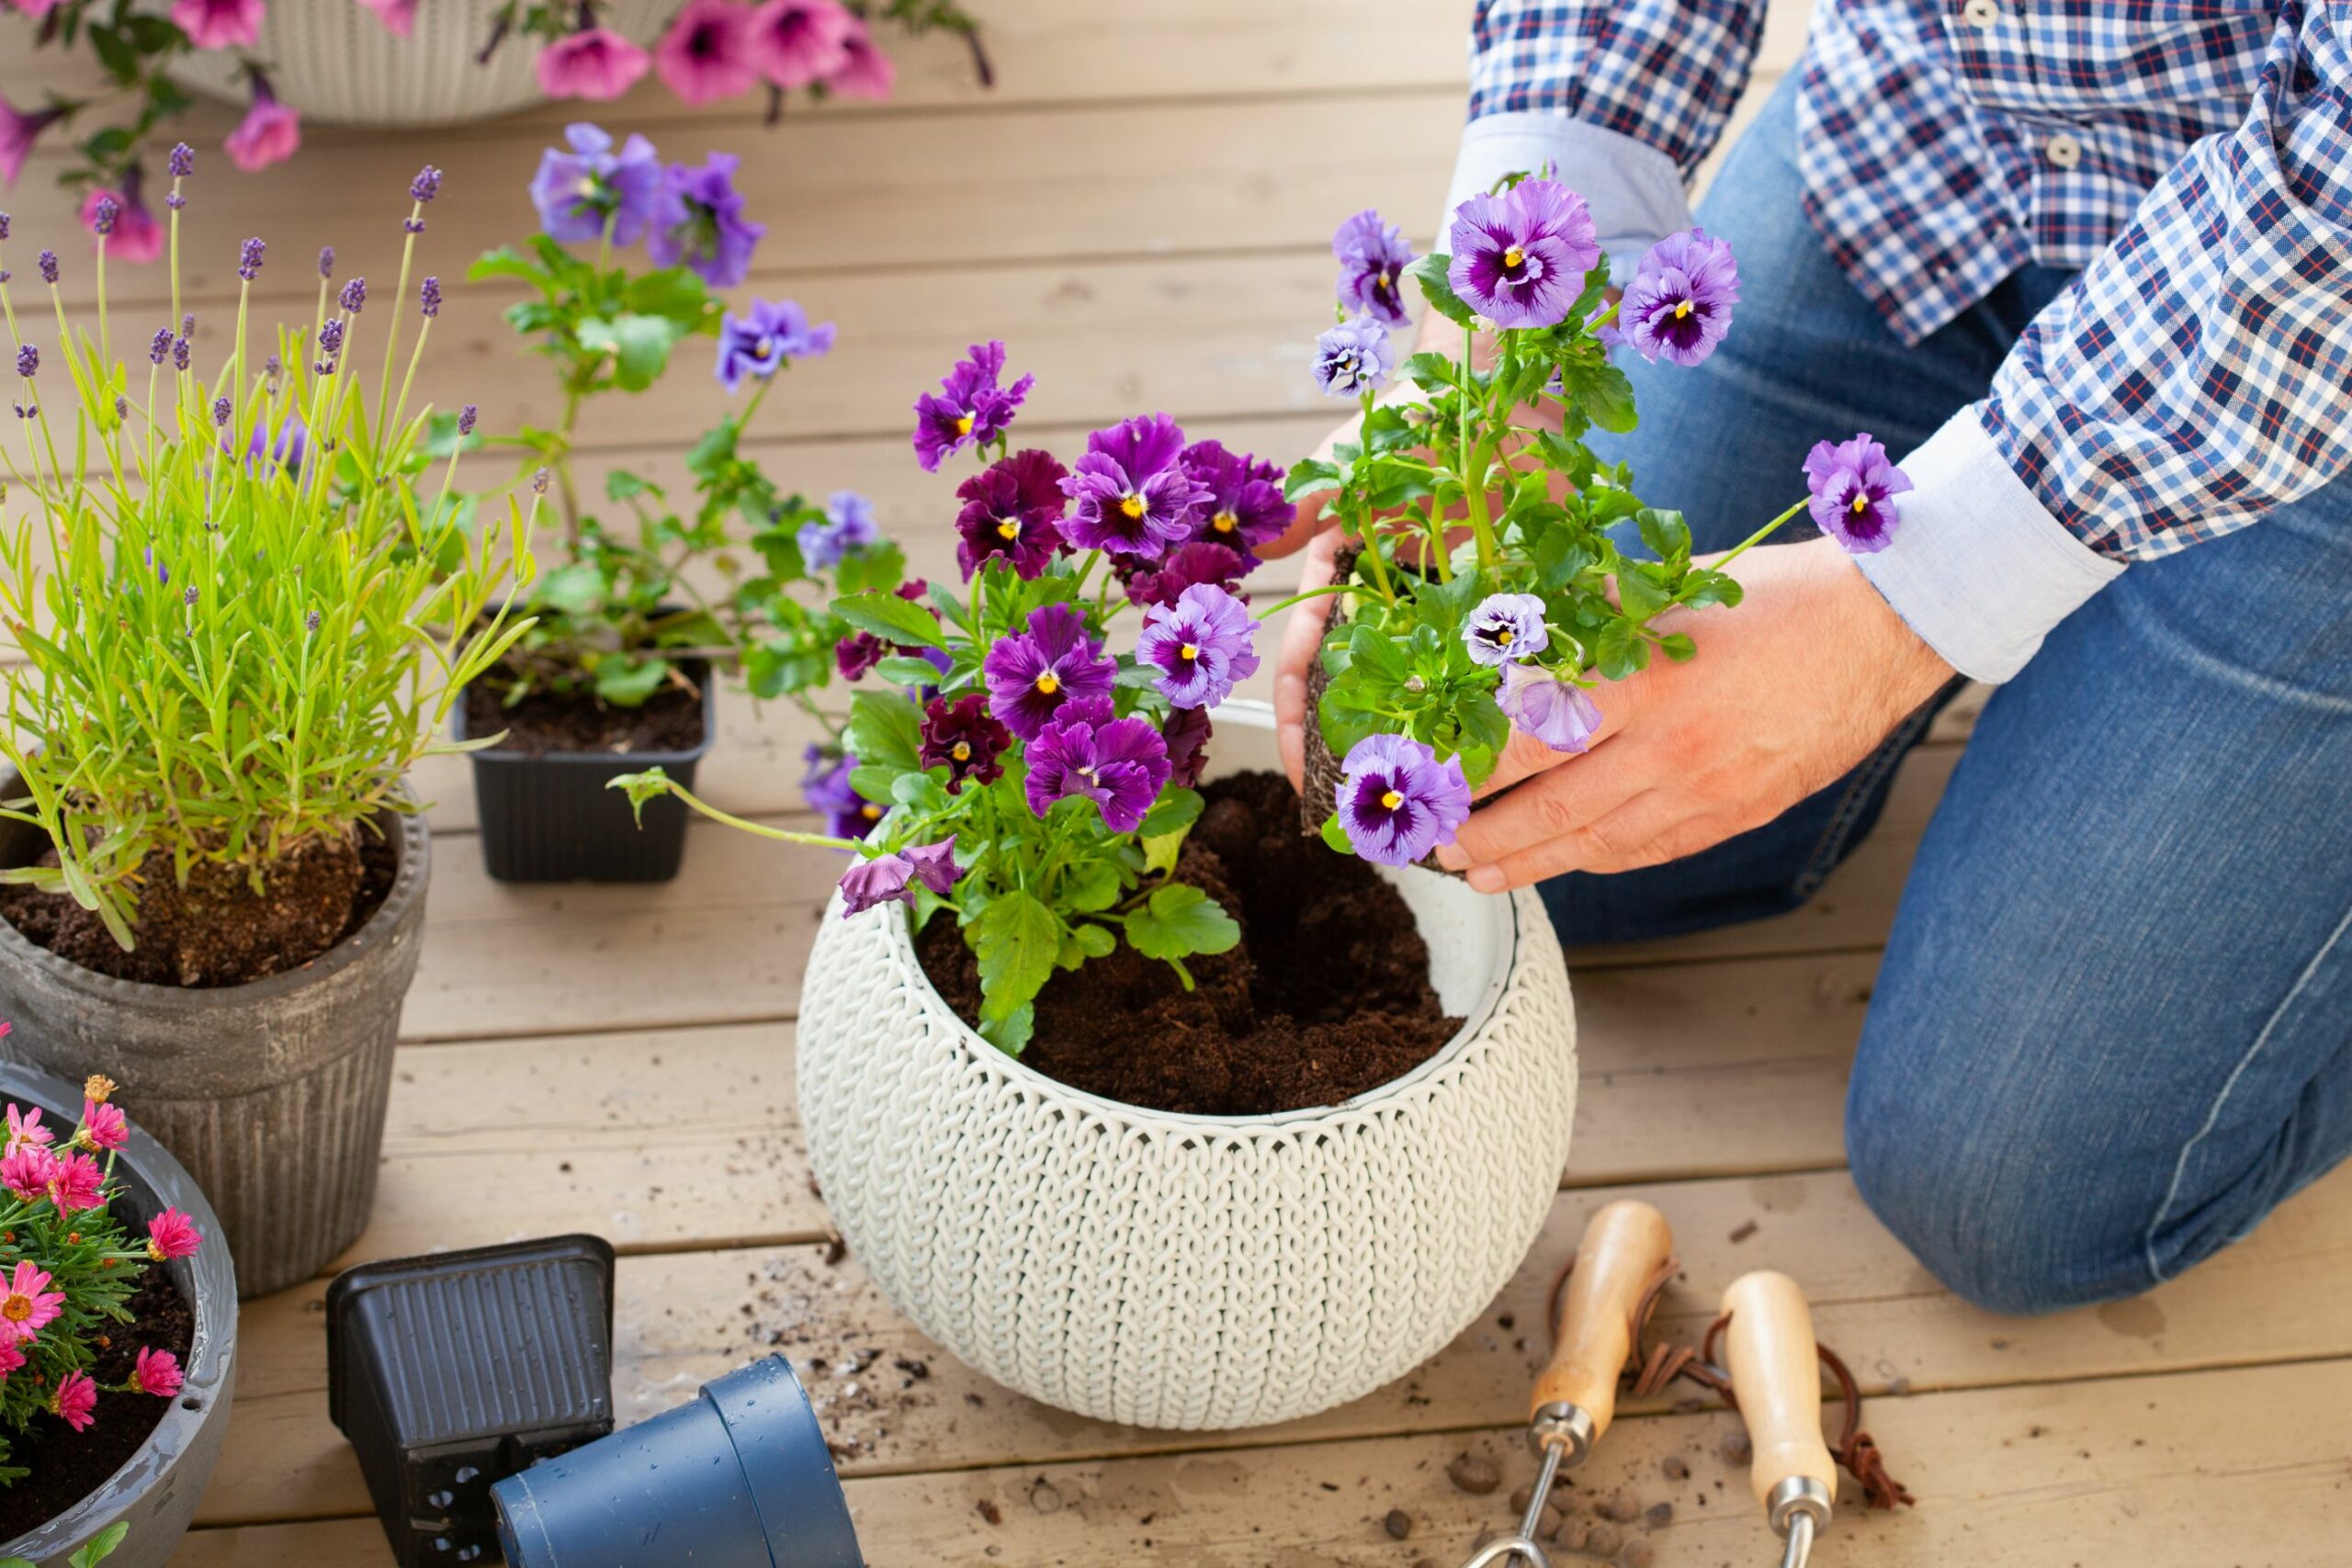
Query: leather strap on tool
[(1650, 1370)]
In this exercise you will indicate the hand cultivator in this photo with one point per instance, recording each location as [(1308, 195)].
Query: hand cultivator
[(1768, 1373)]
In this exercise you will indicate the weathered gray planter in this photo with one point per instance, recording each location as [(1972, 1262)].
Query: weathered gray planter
[(156, 1489), (272, 1093)]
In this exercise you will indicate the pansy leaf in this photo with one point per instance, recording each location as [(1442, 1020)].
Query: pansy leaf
[(1429, 273), (1179, 921), (1638, 591), (1482, 719), (1310, 476), (891, 618), (884, 730), (1602, 391), (1336, 836), (1430, 371), (1159, 851), (625, 683), (1620, 650), (1096, 941), (1677, 646), (1376, 660), (1665, 533), (904, 669), (1704, 586), (1177, 810), (1092, 888), (1016, 939)]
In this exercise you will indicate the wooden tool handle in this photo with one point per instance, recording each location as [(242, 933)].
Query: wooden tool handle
[(1776, 1372), (1624, 1246)]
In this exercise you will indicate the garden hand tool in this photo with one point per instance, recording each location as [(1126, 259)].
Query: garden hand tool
[(1774, 1363), (1627, 1252)]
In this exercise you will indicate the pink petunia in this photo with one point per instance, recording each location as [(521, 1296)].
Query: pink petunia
[(26, 1169), (103, 1126), (157, 1373), (867, 71), (596, 63), (707, 53), (795, 42), (135, 237), (169, 1234), (270, 132), (399, 17), (219, 24), (24, 1127), (27, 1304), (76, 1184), (75, 1402)]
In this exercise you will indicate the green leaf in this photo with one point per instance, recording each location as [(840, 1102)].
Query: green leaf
[(1179, 921), (1011, 1035), (1378, 665), (1482, 720), (884, 730), (506, 261), (882, 565), (1096, 941), (1309, 476), (639, 346), (891, 618), (1177, 810), (1639, 593), (626, 681), (1337, 836), (1016, 940), (673, 293), (1093, 886), (1429, 273), (1620, 650), (904, 669), (1705, 586), (1602, 392), (577, 589), (640, 787), (1159, 852), (1677, 646), (1665, 533), (99, 1548), (1430, 371)]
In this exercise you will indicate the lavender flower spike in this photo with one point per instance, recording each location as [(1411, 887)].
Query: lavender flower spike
[(28, 361), (1202, 645), (183, 160), (1854, 488), (1519, 258), (466, 417), (426, 186), (249, 259), (1353, 358), (103, 214), (1556, 712), (1397, 802), (326, 261), (1504, 627), (428, 297), (355, 296), (48, 261)]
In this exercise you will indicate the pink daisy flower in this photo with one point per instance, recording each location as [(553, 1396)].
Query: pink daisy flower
[(11, 1359), (26, 1169), (75, 1402), (103, 1126), (27, 1304), (75, 1183), (24, 1127), (157, 1373), (219, 24), (169, 1234)]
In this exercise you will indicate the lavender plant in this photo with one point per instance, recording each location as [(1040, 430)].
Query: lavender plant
[(628, 605), (245, 601), (1032, 774), (1492, 571)]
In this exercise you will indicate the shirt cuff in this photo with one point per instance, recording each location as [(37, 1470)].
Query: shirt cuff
[(1634, 190), (1978, 567)]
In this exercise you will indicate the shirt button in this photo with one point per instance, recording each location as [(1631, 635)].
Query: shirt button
[(1982, 13), (2063, 150)]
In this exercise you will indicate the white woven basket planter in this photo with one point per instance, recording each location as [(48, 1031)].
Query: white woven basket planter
[(1191, 1271), (334, 62)]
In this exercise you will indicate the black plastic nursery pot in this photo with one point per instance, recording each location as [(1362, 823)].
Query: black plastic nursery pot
[(738, 1477), (156, 1490), (452, 1371), (272, 1093)]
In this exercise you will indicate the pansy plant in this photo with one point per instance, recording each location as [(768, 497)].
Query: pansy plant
[(1500, 567), (1024, 759), (738, 575)]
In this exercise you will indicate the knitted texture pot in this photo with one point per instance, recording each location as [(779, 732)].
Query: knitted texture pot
[(1191, 1271), (334, 62), (157, 1487), (272, 1094)]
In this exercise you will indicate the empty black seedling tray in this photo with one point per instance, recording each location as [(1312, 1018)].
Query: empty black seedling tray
[(451, 1372)]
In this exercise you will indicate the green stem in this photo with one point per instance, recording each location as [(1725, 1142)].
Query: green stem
[(1758, 536), (782, 835)]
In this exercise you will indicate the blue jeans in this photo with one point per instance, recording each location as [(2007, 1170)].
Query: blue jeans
[(2113, 1026)]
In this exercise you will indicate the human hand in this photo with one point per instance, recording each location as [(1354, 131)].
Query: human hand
[(1790, 689)]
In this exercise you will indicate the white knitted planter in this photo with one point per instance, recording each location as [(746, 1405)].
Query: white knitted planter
[(334, 62), (1191, 1271)]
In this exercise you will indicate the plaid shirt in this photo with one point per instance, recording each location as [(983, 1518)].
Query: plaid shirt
[(2194, 160)]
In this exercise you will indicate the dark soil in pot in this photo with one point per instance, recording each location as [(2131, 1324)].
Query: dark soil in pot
[(217, 930), (1327, 997), (550, 722), (67, 1465)]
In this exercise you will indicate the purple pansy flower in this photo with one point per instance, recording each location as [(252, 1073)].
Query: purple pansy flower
[(698, 223), (848, 523), (1506, 627), (1854, 488), (1201, 645), (969, 407), (762, 341), (893, 878), (1678, 306), (1373, 258), (1187, 733), (1556, 712), (1397, 802), (1032, 674), (825, 786), (1187, 565), (1012, 507), (1519, 258), (962, 736), (1117, 763), (1133, 495), (1353, 358), (857, 653), (285, 449), (579, 192), (1245, 506)]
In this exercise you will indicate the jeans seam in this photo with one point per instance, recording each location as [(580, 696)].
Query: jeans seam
[(2229, 1087), (1830, 846)]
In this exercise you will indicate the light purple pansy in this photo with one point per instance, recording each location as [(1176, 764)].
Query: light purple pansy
[(1397, 802), (1854, 487), (1201, 645), (1506, 627), (1556, 712), (1519, 258), (1373, 258), (1678, 305)]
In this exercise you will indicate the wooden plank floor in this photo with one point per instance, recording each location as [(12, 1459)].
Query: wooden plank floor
[(1142, 207)]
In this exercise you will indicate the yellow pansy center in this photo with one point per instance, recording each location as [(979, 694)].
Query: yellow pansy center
[(1049, 683), (1131, 506), (1225, 522), (1008, 528), (1514, 256), (1502, 636), (1682, 310), (1862, 504), (964, 425), (1392, 800), (870, 811), (963, 752), (1189, 650)]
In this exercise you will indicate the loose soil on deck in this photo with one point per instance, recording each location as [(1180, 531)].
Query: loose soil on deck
[(67, 1465), (1327, 995), (546, 722), (217, 930)]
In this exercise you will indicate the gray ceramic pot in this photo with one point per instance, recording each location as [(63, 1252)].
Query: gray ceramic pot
[(156, 1489), (272, 1093)]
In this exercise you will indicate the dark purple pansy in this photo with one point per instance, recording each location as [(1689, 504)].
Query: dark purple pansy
[(1506, 627), (1854, 488), (893, 878), (1553, 711), (1373, 258), (579, 192), (1131, 494), (1032, 674), (965, 738), (1245, 506), (1678, 305), (1187, 734), (1117, 763), (1397, 802), (857, 653), (1201, 645), (1013, 508), (1164, 582), (1519, 258), (969, 406), (698, 223)]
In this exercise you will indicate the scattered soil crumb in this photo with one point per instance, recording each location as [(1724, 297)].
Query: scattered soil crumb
[(1473, 1475), (1747, 1228), (1398, 1524)]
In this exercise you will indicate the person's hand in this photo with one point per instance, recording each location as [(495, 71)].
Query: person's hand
[(1790, 689)]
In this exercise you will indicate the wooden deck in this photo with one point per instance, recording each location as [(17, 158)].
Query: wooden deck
[(1142, 209)]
